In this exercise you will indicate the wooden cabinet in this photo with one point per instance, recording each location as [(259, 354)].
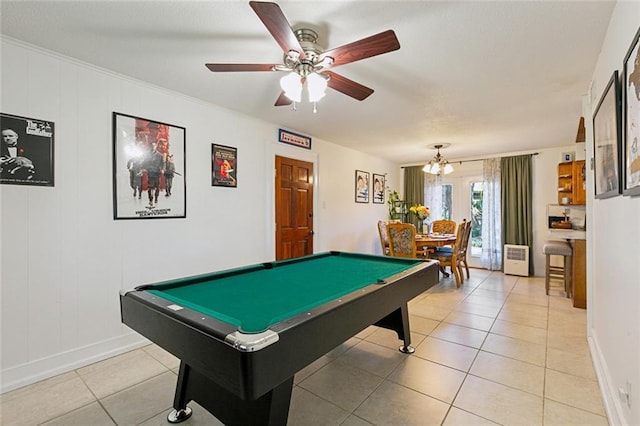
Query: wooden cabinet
[(571, 182), (565, 182), (579, 183), (579, 273)]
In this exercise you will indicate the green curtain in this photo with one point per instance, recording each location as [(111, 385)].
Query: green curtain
[(517, 220), (413, 189)]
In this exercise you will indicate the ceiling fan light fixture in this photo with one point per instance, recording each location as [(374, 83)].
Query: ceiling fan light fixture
[(291, 84), (316, 86)]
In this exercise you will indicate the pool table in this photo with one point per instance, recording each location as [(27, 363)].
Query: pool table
[(242, 334)]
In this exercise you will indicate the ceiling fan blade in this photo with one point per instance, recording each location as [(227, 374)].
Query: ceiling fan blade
[(272, 17), (348, 87), (283, 100), (240, 67), (378, 44)]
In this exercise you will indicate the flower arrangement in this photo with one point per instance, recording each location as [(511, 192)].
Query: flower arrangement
[(420, 211)]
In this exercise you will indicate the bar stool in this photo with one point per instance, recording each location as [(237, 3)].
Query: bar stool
[(558, 248)]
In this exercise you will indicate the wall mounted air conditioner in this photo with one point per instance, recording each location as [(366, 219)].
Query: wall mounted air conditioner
[(516, 260)]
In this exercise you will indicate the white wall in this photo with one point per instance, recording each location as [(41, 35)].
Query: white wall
[(64, 258), (613, 247)]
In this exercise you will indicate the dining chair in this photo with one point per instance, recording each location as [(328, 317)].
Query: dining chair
[(384, 239), (402, 238), (464, 245), (450, 258), (443, 226)]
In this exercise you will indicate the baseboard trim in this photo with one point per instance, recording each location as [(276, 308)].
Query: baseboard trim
[(44, 368), (611, 403)]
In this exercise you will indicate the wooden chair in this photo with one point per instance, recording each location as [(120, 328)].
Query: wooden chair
[(384, 239), (443, 226), (450, 259), (462, 254), (402, 239)]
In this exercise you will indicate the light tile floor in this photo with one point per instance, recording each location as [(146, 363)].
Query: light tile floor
[(495, 351)]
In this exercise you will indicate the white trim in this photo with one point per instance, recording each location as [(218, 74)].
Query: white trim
[(612, 407), (44, 368)]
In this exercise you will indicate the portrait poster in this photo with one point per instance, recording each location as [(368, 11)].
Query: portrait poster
[(631, 116), (149, 169), (378, 189), (224, 166), (606, 142), (27, 151), (362, 186)]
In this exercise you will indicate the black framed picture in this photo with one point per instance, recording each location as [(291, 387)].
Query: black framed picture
[(378, 188), (224, 166), (631, 118), (26, 156), (607, 142), (149, 169), (362, 186)]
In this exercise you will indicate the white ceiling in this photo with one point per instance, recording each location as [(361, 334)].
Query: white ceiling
[(486, 77)]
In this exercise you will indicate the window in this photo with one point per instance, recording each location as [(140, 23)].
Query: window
[(475, 246)]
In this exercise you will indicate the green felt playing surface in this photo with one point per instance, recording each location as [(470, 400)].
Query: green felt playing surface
[(254, 298)]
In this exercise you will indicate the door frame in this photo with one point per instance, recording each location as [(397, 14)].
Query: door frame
[(465, 183), (278, 149)]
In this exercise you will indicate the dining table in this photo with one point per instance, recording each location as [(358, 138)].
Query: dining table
[(426, 243), (434, 240)]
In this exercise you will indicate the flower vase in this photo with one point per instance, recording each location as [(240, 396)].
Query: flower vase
[(419, 227)]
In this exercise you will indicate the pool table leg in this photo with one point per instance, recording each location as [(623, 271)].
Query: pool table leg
[(398, 321), (270, 409), (180, 410)]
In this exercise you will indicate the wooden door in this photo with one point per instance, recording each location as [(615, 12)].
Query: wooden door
[(294, 208)]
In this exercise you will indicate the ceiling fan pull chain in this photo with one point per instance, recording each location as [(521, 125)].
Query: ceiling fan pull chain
[(314, 107)]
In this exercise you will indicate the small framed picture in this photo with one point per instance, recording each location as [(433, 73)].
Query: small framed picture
[(362, 186), (378, 188), (607, 142), (149, 169), (26, 156), (631, 119), (224, 166)]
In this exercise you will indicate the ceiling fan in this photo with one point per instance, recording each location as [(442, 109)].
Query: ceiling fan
[(307, 63)]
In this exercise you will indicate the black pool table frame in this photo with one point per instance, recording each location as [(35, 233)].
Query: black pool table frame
[(245, 384)]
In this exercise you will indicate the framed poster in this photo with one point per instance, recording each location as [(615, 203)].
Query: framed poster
[(631, 119), (378, 188), (149, 169), (26, 156), (295, 139), (607, 142), (362, 186), (224, 166)]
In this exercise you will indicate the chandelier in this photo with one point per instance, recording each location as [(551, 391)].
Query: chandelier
[(438, 165)]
